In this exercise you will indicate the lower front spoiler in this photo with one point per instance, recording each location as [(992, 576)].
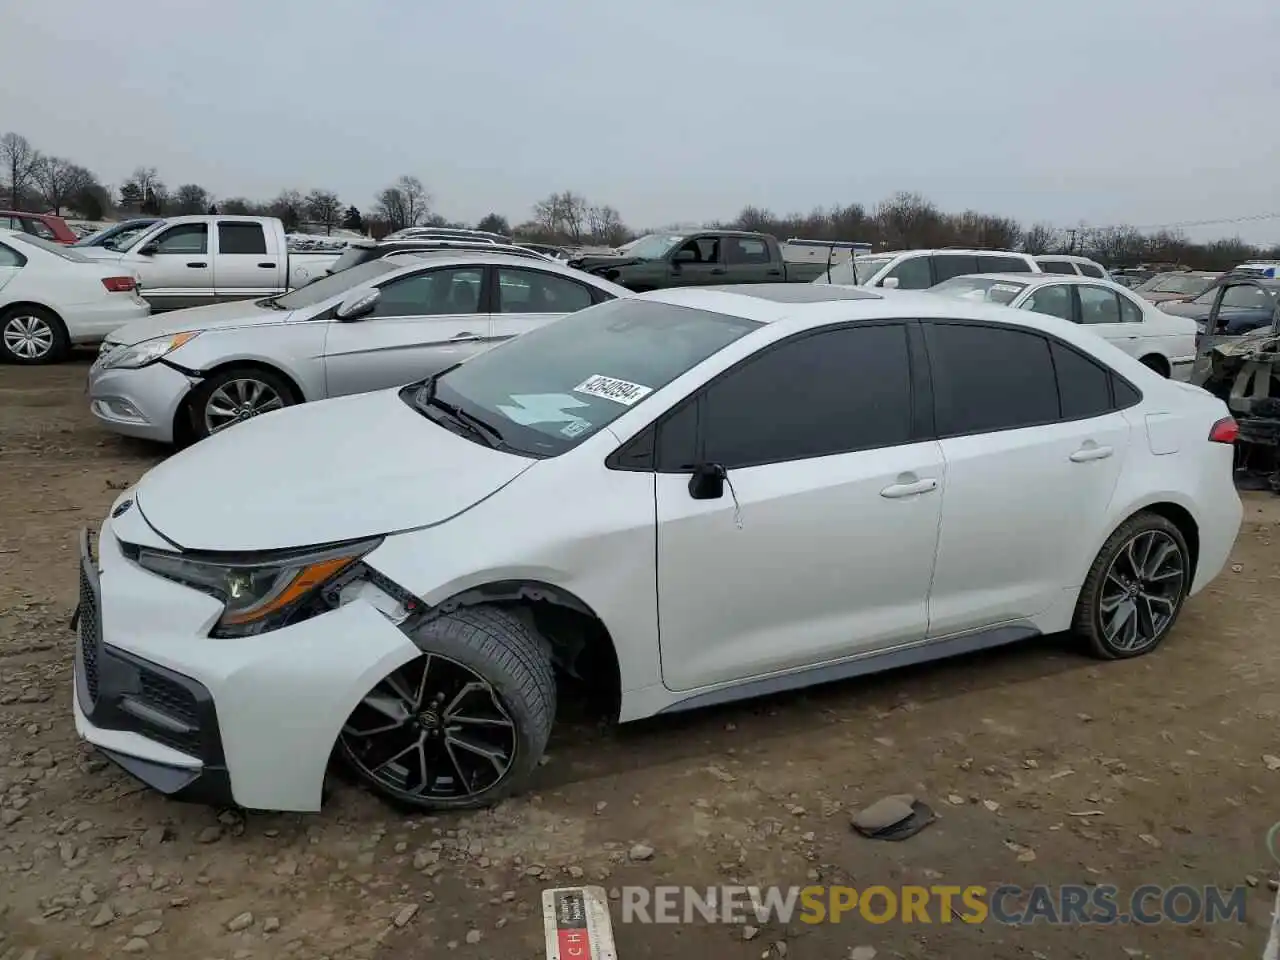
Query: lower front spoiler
[(206, 785)]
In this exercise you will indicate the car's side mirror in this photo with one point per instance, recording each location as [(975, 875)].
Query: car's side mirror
[(890, 283), (149, 249), (357, 304), (684, 256), (707, 481)]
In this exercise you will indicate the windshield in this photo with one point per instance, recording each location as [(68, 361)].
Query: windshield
[(1187, 286), (48, 246), (350, 257), (982, 289), (547, 390), (654, 246), (326, 287), (117, 237), (842, 272)]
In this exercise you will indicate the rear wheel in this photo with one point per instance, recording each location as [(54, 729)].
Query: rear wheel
[(1157, 363), (31, 335), (236, 395), (1135, 588), (462, 725)]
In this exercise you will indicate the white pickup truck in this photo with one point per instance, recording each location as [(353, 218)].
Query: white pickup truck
[(197, 260)]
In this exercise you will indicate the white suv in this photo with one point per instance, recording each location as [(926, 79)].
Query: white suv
[(922, 269), (687, 497)]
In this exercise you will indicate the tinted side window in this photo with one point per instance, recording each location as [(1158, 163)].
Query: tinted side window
[(1089, 270), (1130, 312), (1126, 394), (823, 394), (948, 265), (745, 250), (989, 378), (10, 257), (241, 238), (912, 273), (676, 448), (1054, 266), (1084, 388), (431, 294), (1098, 305), (186, 238), (1054, 301), (532, 291), (1002, 265)]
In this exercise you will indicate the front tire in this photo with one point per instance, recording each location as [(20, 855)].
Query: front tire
[(1135, 589), (235, 395), (32, 335), (464, 724)]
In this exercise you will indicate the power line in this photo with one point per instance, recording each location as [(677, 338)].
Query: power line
[(1252, 218)]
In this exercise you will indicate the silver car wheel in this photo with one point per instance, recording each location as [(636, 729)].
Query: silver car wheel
[(28, 337), (239, 400)]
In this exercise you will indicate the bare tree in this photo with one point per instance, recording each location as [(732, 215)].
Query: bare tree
[(562, 216), (190, 198), (605, 226), (289, 207), (324, 207), (19, 161), (1041, 238), (58, 180), (405, 203)]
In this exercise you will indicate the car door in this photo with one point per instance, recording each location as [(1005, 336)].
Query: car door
[(819, 545), (698, 262), (525, 299), (747, 260), (423, 322), (243, 265), (175, 267), (1029, 472), (1099, 310), (1241, 307)]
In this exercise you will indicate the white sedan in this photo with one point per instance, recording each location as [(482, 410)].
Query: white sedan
[(683, 498), (1165, 343), (51, 297)]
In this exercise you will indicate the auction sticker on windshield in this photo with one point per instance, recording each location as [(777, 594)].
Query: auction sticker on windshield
[(619, 391)]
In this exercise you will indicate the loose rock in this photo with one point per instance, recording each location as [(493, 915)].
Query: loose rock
[(242, 921), (641, 851)]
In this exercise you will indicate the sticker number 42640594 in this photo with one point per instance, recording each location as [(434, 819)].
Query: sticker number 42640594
[(610, 388)]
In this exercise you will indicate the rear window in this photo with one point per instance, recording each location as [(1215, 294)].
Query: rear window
[(1055, 266), (1089, 270), (48, 246), (981, 289)]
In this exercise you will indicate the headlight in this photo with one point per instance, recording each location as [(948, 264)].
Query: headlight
[(148, 351), (258, 594)]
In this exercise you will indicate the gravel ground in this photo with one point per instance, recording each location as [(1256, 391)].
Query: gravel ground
[(1173, 751)]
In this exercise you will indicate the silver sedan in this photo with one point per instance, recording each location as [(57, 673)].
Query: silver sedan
[(188, 374)]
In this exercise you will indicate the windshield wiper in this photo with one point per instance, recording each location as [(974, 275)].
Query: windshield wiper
[(426, 397)]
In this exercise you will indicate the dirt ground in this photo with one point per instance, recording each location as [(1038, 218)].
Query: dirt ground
[(1009, 747)]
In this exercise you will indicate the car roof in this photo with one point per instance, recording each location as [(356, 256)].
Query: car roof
[(479, 258), (932, 251), (1063, 257), (837, 303), (1039, 279)]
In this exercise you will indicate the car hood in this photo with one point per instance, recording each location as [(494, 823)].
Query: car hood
[(1180, 308), (592, 264), (320, 473), (1161, 297), (216, 316)]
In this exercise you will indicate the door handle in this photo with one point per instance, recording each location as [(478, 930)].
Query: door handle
[(1091, 451), (775, 273), (716, 272), (198, 264), (896, 491), (267, 266)]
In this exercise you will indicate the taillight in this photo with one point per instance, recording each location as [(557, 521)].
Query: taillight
[(118, 284), (1225, 430)]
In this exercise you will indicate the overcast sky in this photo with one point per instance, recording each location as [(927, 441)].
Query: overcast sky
[(1100, 111)]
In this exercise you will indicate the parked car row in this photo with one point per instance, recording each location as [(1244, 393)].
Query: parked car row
[(937, 474)]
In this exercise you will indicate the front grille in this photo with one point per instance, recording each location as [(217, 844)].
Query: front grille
[(90, 632)]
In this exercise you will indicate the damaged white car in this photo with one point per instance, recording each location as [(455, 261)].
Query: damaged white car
[(684, 498)]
